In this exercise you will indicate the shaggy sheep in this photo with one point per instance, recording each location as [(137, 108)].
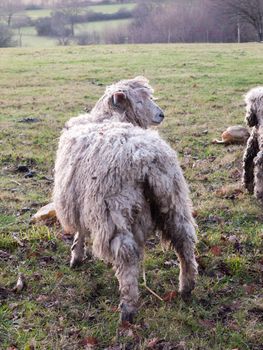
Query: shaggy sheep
[(253, 156), (116, 183), (233, 134)]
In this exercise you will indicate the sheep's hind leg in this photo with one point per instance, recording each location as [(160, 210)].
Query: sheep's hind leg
[(250, 153), (77, 250), (126, 265), (258, 190), (182, 237), (188, 266)]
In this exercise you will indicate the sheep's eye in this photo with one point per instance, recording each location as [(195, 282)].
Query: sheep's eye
[(139, 102)]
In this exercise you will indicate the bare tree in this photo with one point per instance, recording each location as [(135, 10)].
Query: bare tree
[(60, 29), (71, 9), (246, 11), (187, 21), (6, 36), (8, 8)]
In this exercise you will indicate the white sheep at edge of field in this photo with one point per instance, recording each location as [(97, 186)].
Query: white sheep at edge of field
[(116, 182)]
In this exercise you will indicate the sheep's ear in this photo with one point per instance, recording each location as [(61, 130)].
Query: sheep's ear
[(118, 98)]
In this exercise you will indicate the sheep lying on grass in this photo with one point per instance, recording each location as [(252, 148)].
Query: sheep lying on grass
[(116, 183), (253, 156), (233, 134)]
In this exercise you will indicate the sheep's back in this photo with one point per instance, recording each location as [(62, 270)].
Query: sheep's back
[(102, 165)]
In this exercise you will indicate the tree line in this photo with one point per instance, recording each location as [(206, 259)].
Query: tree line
[(60, 24), (193, 21), (152, 21)]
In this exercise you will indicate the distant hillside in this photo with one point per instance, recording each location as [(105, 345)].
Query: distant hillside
[(47, 3), (39, 27)]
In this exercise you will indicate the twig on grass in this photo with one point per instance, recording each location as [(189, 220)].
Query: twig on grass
[(16, 182), (145, 285)]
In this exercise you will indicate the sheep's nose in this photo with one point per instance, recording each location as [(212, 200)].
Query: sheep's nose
[(158, 118)]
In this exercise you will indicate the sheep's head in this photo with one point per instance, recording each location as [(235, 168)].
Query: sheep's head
[(133, 101), (254, 106)]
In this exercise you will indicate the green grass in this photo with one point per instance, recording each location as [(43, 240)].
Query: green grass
[(112, 8), (100, 26), (35, 14), (30, 38), (200, 88)]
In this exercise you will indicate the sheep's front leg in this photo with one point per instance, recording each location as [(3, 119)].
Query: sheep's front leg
[(258, 190), (77, 250), (248, 161), (126, 265)]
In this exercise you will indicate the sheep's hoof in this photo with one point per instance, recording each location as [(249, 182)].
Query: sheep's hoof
[(74, 262), (250, 187), (127, 314), (186, 295), (186, 292)]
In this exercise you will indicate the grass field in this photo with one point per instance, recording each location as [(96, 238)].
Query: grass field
[(30, 38), (200, 88), (100, 26)]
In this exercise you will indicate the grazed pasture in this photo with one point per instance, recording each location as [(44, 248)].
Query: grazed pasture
[(200, 88)]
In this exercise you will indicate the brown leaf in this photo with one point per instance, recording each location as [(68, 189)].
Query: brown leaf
[(115, 309), (169, 296), (127, 329), (59, 275), (89, 341), (207, 323), (195, 213), (42, 298), (125, 325), (152, 342), (249, 289), (235, 174), (34, 254), (229, 192), (216, 250), (220, 192), (233, 326)]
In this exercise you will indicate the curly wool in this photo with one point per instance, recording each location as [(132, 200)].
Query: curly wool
[(117, 182), (253, 156)]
